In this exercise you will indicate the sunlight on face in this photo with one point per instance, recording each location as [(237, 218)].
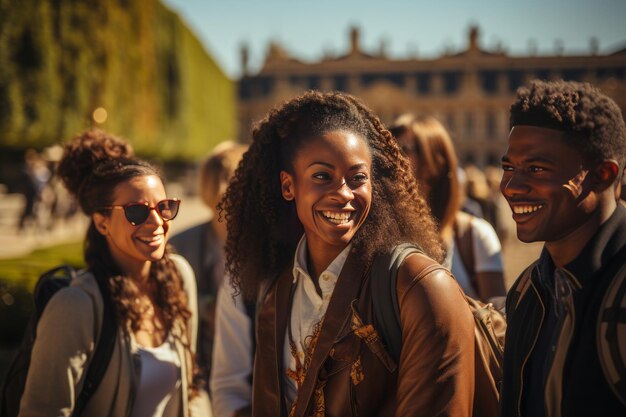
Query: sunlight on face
[(153, 181), (575, 185)]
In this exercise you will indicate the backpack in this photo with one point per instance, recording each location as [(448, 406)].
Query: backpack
[(47, 285), (490, 327)]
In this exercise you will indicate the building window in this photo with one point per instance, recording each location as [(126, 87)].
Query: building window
[(265, 86), (245, 88), (314, 82), (367, 79), (451, 81), (341, 82), (494, 160), (489, 81), (574, 74), (395, 78), (424, 81), (605, 73), (516, 79), (542, 74), (295, 80)]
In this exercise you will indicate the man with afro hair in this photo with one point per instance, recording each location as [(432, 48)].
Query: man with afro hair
[(565, 343)]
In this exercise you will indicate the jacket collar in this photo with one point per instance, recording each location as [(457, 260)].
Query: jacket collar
[(268, 397), (300, 261), (609, 239)]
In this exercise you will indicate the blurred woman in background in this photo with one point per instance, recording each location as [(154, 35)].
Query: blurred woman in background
[(473, 249)]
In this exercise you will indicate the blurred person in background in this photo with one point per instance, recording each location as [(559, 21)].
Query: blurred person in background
[(468, 204), (477, 189), (34, 178), (226, 334), (203, 245), (502, 221), (473, 249)]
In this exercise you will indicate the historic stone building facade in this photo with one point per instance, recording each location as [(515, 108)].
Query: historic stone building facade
[(470, 91)]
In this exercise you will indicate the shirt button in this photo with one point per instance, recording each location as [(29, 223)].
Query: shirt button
[(325, 277)]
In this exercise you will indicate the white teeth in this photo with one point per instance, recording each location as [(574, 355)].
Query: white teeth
[(337, 217), (526, 209), (151, 239)]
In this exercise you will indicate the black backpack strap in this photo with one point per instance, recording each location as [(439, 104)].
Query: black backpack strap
[(383, 284), (104, 350), (48, 284)]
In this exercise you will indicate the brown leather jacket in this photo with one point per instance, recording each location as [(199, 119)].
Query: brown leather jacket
[(350, 373)]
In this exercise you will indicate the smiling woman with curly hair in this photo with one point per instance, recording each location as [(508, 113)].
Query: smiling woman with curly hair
[(323, 191), (131, 272)]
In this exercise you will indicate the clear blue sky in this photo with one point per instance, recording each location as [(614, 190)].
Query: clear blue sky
[(307, 28)]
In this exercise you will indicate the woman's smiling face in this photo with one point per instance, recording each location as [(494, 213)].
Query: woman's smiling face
[(331, 187), (133, 246)]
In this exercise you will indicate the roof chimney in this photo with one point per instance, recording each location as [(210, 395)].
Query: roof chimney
[(355, 34), (473, 38)]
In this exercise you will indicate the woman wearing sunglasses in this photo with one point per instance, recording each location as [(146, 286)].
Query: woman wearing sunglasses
[(152, 293)]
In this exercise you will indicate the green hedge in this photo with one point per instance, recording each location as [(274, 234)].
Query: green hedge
[(17, 280), (60, 60)]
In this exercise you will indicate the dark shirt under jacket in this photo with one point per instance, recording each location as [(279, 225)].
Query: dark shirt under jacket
[(538, 330)]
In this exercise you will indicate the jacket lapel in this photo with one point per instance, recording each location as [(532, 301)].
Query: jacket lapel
[(268, 398), (338, 313)]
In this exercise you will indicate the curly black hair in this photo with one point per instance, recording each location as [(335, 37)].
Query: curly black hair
[(263, 228), (94, 163), (594, 120)]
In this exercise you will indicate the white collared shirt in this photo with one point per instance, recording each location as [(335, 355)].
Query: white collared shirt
[(308, 308), (231, 387)]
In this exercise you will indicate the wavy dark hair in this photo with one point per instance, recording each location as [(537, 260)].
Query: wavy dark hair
[(94, 163), (594, 120), (263, 228)]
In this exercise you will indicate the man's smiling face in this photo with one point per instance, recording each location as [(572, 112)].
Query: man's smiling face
[(544, 182)]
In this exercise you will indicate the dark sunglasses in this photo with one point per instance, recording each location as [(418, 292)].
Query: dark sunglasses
[(137, 213)]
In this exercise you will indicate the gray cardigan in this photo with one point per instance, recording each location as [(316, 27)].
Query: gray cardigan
[(67, 335)]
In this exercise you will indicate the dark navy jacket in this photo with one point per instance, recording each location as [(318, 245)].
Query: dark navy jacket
[(560, 366)]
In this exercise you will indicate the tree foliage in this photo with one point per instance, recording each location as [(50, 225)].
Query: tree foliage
[(62, 59)]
